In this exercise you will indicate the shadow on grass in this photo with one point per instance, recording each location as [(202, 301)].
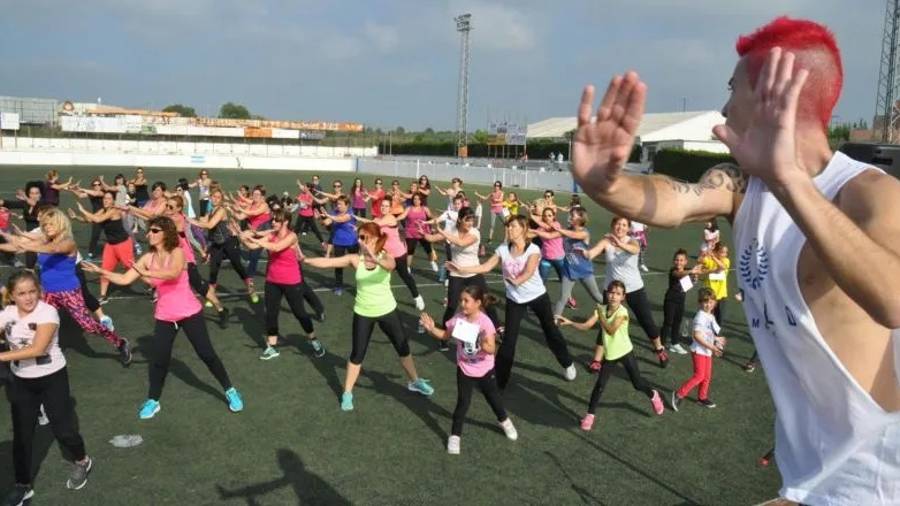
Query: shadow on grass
[(309, 487), (179, 369), (72, 337)]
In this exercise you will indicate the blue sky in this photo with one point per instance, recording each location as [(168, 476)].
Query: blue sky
[(391, 63)]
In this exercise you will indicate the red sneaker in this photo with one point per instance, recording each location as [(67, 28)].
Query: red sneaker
[(587, 422), (663, 357), (595, 366)]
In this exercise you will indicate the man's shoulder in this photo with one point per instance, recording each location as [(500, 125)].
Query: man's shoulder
[(870, 194)]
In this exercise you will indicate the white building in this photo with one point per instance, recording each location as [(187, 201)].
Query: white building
[(681, 130)]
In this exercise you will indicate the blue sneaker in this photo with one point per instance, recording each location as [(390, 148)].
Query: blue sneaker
[(347, 401), (107, 322), (149, 409), (421, 386), (235, 402), (338, 291)]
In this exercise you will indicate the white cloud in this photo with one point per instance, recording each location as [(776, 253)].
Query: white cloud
[(497, 27)]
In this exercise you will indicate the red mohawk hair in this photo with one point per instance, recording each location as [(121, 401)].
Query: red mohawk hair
[(815, 49)]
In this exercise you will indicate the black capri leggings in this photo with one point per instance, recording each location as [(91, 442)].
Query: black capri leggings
[(515, 313), (339, 272), (455, 286), (26, 396), (634, 374), (362, 333), (638, 303), (163, 339), (89, 300), (196, 281), (307, 223), (218, 252), (403, 270), (294, 295), (411, 246)]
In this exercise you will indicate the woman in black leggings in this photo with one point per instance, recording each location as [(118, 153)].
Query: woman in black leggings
[(222, 243), (525, 290)]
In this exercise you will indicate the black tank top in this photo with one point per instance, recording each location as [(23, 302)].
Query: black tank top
[(675, 292), (140, 193), (96, 203), (114, 231), (219, 233)]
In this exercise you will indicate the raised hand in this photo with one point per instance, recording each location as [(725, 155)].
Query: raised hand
[(766, 148), (601, 148)]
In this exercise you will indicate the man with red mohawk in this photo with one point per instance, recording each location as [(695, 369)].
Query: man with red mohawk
[(816, 237)]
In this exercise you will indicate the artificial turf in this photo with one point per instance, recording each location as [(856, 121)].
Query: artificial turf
[(292, 444)]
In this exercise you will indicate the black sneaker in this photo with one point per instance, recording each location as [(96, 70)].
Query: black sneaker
[(223, 318), (103, 300), (78, 479), (444, 346), (320, 317), (125, 352), (706, 403), (676, 401), (18, 495)]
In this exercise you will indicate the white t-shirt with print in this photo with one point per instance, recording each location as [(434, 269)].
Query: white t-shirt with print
[(705, 323), (466, 256), (20, 331), (513, 266)]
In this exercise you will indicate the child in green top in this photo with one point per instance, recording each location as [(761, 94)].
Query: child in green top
[(617, 349)]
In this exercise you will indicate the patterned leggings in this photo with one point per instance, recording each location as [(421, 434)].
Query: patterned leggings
[(73, 302)]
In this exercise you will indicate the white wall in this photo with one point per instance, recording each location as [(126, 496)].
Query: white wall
[(698, 128)]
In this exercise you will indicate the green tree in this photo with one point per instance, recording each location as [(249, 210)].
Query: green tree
[(399, 130), (231, 110), (182, 110), (480, 136)]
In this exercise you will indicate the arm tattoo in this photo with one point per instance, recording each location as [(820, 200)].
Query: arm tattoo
[(725, 176)]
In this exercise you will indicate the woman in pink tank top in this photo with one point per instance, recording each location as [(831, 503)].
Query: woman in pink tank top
[(415, 215), (176, 307), (258, 216), (283, 280), (390, 226)]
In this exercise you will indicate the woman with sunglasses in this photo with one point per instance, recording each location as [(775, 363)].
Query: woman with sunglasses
[(398, 199), (284, 279), (175, 211), (343, 236), (463, 241), (396, 248), (330, 199), (306, 213), (424, 188), (376, 196), (552, 251), (374, 304), (524, 290), (176, 307), (203, 184), (57, 257), (119, 248), (495, 200), (259, 217)]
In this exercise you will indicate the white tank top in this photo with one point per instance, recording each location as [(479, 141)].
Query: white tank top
[(623, 266), (833, 443)]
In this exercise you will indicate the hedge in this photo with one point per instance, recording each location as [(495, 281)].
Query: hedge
[(687, 165)]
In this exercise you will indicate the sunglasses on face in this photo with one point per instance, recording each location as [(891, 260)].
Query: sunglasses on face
[(170, 206), (95, 184), (154, 230), (363, 238)]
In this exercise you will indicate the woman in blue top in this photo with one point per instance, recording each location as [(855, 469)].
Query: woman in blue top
[(57, 256), (343, 235), (576, 267)]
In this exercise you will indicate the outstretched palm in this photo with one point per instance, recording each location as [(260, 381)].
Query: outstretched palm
[(766, 148), (601, 148)]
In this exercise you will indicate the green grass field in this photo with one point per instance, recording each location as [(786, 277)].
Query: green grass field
[(293, 445)]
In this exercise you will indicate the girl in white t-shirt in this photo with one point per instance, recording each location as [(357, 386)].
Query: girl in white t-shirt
[(524, 289), (707, 343), (475, 349), (31, 329)]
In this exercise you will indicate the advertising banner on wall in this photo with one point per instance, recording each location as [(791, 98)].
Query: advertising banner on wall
[(9, 121)]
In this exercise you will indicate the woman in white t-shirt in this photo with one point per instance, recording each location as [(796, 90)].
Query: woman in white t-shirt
[(31, 329), (463, 244), (519, 260)]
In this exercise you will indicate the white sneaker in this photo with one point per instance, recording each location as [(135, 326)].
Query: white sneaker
[(42, 417), (679, 349), (644, 268), (434, 266), (570, 373), (420, 329), (453, 445), (509, 429), (420, 303)]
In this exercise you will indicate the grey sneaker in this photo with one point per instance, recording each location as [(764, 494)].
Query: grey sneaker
[(78, 478), (318, 347), (676, 401), (18, 495), (269, 353), (125, 352)]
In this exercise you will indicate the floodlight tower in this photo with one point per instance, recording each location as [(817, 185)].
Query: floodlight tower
[(888, 78), (463, 26)]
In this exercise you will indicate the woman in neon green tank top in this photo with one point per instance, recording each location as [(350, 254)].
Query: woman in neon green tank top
[(374, 303)]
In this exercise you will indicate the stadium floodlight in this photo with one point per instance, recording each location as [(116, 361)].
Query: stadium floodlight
[(463, 26)]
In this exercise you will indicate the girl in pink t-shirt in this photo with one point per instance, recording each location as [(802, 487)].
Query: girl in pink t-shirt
[(283, 279), (495, 200), (475, 349), (552, 252), (396, 248)]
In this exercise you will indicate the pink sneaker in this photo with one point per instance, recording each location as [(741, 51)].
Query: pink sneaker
[(572, 303), (587, 422), (657, 403)]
